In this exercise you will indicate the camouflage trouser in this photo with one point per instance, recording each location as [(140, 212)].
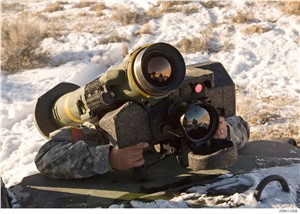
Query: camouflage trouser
[(79, 152)]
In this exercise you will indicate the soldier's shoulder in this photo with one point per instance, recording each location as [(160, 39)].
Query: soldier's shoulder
[(86, 132), (235, 120), (71, 133)]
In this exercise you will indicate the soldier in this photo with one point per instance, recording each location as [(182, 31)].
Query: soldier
[(80, 152)]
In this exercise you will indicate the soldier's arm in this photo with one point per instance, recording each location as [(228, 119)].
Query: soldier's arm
[(238, 130), (73, 153)]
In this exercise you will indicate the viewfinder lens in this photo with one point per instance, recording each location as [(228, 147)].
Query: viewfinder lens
[(159, 70), (196, 122)]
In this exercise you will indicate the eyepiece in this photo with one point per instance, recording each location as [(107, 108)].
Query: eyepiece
[(157, 69)]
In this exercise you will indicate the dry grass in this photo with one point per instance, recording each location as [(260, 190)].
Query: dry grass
[(207, 42), (83, 4), (124, 16), (20, 40), (260, 112), (283, 130), (164, 7), (98, 8), (146, 29), (53, 7), (114, 37), (290, 8), (85, 14), (256, 29), (15, 7), (212, 4), (193, 45), (177, 6), (225, 44), (197, 44), (242, 17)]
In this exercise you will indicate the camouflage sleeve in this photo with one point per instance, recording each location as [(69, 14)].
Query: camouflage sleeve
[(74, 152), (239, 132)]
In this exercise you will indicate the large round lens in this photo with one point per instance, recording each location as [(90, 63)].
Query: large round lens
[(196, 122), (199, 122), (159, 70), (156, 70)]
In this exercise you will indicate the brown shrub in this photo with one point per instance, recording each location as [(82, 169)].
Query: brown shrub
[(53, 7), (16, 7), (83, 4), (212, 4), (225, 44), (97, 7), (196, 44), (163, 7), (114, 37), (242, 17), (290, 8), (20, 40), (146, 29), (256, 29), (124, 16), (177, 6), (268, 112)]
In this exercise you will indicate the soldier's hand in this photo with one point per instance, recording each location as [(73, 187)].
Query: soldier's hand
[(221, 132), (129, 157)]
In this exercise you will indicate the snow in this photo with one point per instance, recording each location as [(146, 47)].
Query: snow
[(264, 66), (272, 196)]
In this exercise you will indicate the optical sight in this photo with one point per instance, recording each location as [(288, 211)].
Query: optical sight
[(145, 76), (151, 96), (184, 122)]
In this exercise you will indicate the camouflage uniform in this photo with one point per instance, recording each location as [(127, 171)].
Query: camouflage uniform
[(238, 131), (80, 152)]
